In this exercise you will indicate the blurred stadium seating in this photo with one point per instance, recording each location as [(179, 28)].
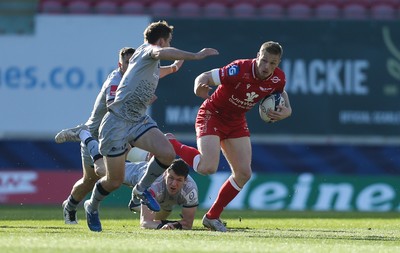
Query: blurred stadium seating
[(355, 10), (326, 10), (244, 9), (383, 11), (189, 9), (299, 10), (52, 6), (215, 9), (272, 10), (161, 8), (295, 9), (132, 7), (106, 7), (80, 6)]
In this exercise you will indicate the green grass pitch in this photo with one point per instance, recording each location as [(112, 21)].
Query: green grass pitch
[(41, 229)]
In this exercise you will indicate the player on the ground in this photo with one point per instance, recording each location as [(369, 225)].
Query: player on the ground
[(126, 121), (221, 121), (173, 188)]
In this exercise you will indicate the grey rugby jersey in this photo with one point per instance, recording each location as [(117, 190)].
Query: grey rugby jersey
[(106, 94), (138, 85)]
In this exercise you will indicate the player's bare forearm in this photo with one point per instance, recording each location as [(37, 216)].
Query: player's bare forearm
[(283, 111), (171, 54), (188, 214), (174, 67), (287, 101), (186, 225), (202, 85)]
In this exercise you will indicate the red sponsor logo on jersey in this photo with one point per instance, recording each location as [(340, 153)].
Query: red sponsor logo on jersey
[(275, 79), (113, 90)]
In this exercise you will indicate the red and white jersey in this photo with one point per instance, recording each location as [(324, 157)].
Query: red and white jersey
[(239, 90)]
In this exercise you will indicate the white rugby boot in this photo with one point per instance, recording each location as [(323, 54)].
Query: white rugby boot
[(70, 134), (214, 224)]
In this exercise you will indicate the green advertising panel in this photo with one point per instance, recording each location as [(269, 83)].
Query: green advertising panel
[(296, 192), (306, 191), (343, 77)]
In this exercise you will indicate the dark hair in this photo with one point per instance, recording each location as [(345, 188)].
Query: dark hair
[(126, 50), (272, 47), (157, 30), (179, 167)]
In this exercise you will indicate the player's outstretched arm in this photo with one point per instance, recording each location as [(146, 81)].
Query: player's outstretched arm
[(151, 220), (172, 54)]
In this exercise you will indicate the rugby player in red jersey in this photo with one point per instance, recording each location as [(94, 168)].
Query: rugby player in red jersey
[(221, 121)]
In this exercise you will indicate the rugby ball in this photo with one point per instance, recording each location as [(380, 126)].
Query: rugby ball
[(270, 102)]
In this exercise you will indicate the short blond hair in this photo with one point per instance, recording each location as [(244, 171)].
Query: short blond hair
[(271, 47)]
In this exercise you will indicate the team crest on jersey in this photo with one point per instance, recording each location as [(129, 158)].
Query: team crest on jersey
[(233, 70), (191, 195), (275, 79), (251, 96), (113, 90)]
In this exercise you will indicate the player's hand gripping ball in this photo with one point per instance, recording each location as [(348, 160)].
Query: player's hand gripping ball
[(270, 102)]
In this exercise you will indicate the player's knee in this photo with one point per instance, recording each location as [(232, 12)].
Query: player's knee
[(243, 177), (115, 183), (171, 156), (90, 180), (89, 177), (100, 170), (167, 157), (207, 170)]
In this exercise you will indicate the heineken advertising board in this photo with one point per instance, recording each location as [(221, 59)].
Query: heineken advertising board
[(297, 192), (307, 191), (343, 77)]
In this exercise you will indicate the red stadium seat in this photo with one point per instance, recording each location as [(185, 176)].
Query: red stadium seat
[(106, 7), (327, 11), (215, 9), (299, 10), (393, 3), (133, 7), (161, 9), (51, 6), (355, 11), (188, 9), (364, 3), (244, 10), (79, 6), (272, 10), (382, 11), (143, 2)]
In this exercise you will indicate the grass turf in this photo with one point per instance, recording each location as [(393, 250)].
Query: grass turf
[(41, 229)]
